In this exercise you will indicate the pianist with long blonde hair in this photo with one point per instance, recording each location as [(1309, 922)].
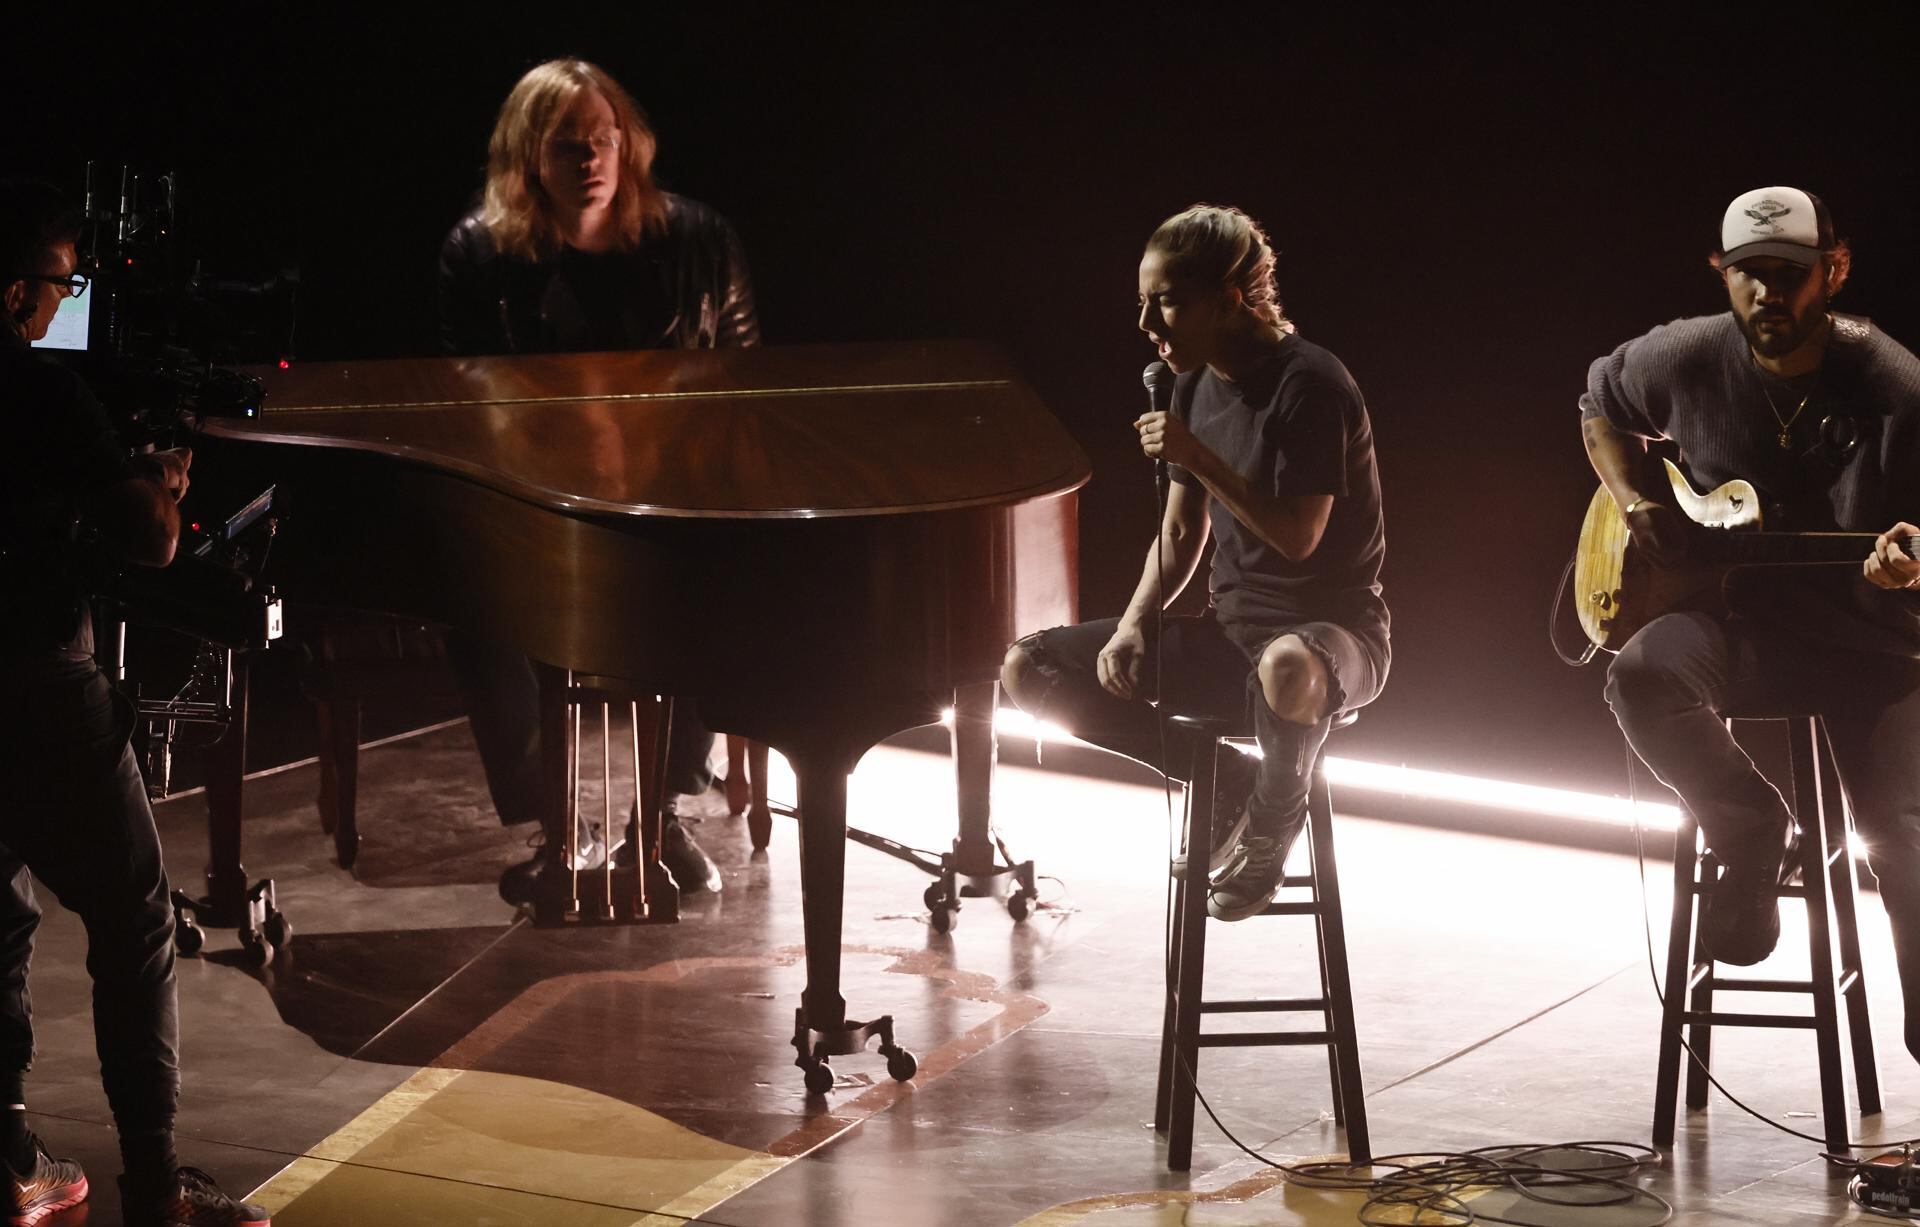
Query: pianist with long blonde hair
[(574, 248)]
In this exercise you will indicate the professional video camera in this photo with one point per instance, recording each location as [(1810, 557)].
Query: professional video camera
[(147, 336)]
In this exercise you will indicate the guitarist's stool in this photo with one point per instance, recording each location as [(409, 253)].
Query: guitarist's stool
[(1181, 1038), (1828, 884)]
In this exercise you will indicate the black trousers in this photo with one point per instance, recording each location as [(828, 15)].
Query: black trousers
[(1209, 668), (73, 810), (501, 690), (1673, 684)]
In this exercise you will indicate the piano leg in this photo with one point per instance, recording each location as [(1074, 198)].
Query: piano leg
[(972, 870), (974, 754), (821, 1028)]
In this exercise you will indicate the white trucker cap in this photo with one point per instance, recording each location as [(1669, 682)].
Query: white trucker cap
[(1775, 221)]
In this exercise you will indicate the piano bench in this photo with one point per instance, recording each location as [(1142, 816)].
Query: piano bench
[(348, 658)]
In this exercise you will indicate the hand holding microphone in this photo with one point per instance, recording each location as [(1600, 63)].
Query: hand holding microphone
[(1163, 436)]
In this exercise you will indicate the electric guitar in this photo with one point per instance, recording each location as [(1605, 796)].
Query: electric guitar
[(1617, 590)]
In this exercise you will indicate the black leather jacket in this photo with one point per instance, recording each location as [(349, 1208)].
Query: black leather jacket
[(685, 289)]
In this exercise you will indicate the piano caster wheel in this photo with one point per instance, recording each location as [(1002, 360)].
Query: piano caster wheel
[(188, 937), (255, 946), (1019, 905), (900, 1063), (820, 1078), (279, 929), (942, 908)]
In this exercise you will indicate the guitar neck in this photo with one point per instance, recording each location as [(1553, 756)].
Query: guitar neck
[(1776, 549)]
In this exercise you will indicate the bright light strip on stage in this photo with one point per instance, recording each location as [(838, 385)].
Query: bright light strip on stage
[(1429, 785), (1499, 794), (1437, 785)]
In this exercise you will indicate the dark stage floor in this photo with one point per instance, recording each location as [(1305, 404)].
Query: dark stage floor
[(421, 1056)]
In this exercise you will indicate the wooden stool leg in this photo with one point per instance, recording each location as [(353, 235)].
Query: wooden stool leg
[(739, 791), (1326, 995), (1805, 747), (1699, 999), (1843, 884), (1190, 961), (1348, 1089), (759, 813), (1176, 943), (1666, 1092)]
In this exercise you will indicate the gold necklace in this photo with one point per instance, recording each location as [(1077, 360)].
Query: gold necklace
[(1785, 437)]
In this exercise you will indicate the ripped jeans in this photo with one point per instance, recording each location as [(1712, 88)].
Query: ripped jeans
[(1207, 667)]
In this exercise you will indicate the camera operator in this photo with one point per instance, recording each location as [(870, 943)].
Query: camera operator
[(73, 808)]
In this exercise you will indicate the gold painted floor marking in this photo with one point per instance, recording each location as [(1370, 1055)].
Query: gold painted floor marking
[(526, 1137)]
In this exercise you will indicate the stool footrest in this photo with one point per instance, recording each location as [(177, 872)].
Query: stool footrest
[(1264, 1005), (1762, 986), (1290, 908), (1264, 1039), (1716, 1018)]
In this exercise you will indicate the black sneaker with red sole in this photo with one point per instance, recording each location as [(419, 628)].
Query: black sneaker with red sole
[(52, 1186)]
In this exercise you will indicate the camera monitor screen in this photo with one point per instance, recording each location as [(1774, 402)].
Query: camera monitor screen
[(69, 330)]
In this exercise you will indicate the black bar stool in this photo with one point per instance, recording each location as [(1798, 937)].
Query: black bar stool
[(1181, 1038), (1828, 883)]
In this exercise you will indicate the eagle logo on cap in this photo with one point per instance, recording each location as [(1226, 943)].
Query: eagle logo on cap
[(1764, 213)]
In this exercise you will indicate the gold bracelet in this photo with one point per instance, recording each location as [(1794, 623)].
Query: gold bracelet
[(1628, 511)]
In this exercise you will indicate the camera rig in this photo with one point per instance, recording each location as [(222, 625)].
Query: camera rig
[(210, 594), (157, 390), (156, 339)]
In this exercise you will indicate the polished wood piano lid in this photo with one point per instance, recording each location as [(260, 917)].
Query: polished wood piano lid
[(783, 432)]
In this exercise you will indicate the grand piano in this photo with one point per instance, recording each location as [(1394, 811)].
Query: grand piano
[(823, 545)]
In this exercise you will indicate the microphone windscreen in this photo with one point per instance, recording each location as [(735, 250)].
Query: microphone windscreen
[(1158, 379)]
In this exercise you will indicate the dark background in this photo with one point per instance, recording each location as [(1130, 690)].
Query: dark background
[(1468, 213)]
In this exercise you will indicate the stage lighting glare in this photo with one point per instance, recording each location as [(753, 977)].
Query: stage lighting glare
[(1358, 776), (1415, 782)]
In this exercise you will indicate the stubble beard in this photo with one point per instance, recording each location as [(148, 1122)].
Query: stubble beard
[(1780, 344)]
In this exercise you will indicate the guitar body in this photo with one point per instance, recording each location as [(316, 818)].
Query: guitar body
[(1616, 591)]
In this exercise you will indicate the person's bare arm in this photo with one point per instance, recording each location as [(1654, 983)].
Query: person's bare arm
[(1627, 469), (1170, 563), (1291, 523)]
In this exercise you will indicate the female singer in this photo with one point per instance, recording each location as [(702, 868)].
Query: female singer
[(1269, 444)]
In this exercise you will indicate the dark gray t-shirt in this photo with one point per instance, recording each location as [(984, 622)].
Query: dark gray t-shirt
[(1695, 382), (1297, 425)]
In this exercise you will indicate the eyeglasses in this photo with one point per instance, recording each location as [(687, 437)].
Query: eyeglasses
[(583, 147), (76, 283)]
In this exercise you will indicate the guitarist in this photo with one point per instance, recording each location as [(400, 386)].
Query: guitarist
[(1821, 412)]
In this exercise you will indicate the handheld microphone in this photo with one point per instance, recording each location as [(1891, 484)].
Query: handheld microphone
[(1158, 378)]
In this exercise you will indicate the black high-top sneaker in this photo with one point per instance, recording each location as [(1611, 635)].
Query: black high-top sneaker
[(1233, 782)]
